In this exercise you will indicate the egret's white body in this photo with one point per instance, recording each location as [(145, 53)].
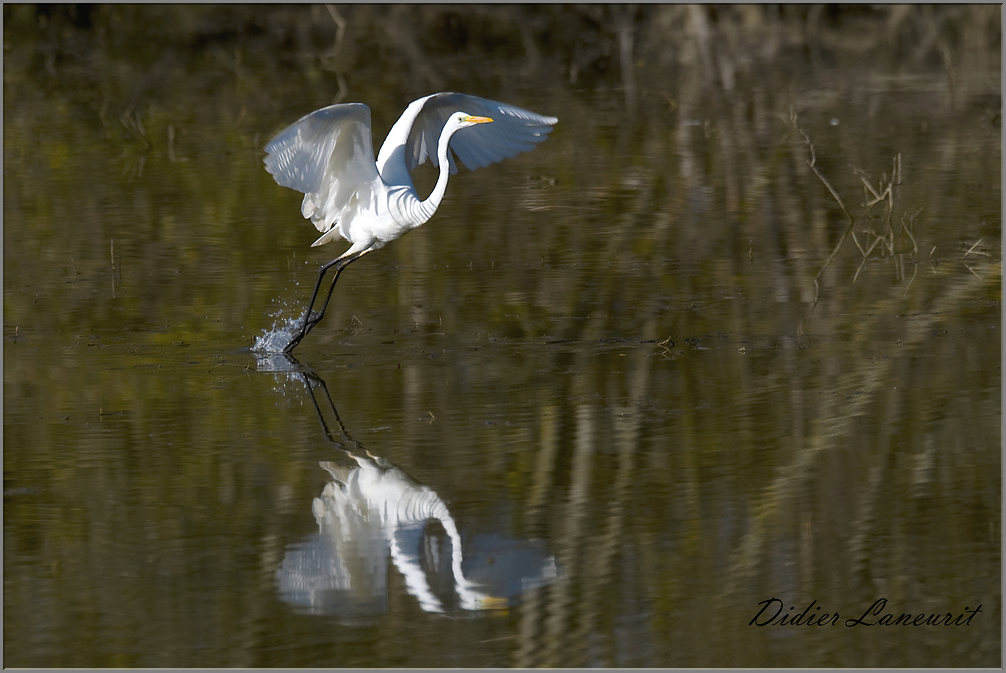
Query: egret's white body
[(329, 156)]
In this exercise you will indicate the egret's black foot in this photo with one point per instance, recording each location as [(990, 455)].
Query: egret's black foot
[(288, 348), (312, 319)]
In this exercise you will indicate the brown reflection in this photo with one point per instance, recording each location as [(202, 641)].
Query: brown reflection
[(372, 511)]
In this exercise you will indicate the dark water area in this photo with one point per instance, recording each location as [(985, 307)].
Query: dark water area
[(731, 334)]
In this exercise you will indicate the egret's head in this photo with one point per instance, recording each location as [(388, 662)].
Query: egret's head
[(463, 119)]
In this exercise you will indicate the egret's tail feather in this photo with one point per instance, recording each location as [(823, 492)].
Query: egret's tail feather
[(327, 237)]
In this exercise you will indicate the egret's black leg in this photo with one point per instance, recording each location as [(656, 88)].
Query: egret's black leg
[(338, 270), (310, 320), (306, 324)]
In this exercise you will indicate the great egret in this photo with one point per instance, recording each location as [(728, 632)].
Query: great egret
[(329, 156)]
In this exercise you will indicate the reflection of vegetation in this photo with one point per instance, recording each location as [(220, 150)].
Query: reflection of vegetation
[(890, 235), (681, 484)]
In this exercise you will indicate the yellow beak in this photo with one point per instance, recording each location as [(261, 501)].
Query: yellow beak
[(493, 602), (477, 120)]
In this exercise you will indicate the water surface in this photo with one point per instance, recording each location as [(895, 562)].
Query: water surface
[(626, 366)]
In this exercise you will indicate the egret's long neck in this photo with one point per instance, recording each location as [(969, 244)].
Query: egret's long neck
[(432, 202)]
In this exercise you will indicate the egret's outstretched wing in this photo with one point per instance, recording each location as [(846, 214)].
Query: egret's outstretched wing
[(514, 130), (328, 155), (301, 153)]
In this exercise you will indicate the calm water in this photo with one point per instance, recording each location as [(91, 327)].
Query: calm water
[(590, 414)]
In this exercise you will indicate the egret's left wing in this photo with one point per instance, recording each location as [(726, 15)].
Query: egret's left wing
[(514, 130)]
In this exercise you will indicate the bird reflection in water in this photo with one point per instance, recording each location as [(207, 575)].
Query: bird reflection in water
[(372, 510)]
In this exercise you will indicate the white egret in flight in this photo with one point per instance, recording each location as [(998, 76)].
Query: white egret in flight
[(329, 156)]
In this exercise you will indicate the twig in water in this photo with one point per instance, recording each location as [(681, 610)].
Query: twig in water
[(911, 220), (971, 249), (972, 271), (866, 256), (877, 198), (912, 279), (852, 220)]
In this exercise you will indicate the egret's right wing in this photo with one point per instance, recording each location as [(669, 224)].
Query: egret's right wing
[(329, 156), (514, 130)]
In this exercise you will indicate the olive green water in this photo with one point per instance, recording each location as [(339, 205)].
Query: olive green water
[(603, 357)]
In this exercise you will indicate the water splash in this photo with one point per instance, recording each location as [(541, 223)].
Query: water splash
[(281, 334)]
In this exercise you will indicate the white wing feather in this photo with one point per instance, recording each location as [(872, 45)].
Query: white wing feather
[(329, 156)]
